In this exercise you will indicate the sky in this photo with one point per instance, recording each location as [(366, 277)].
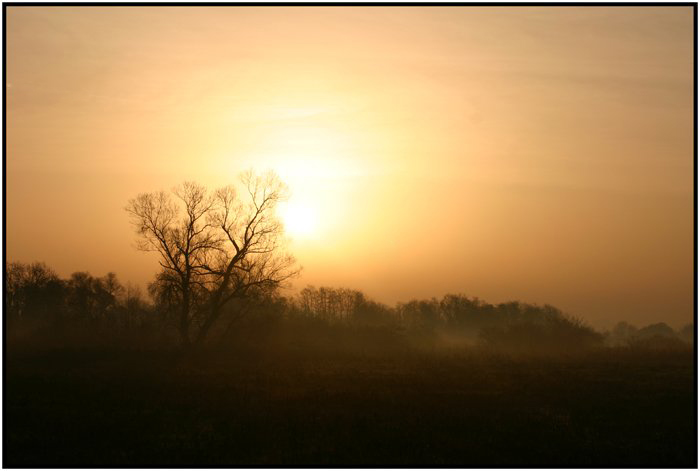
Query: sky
[(540, 154)]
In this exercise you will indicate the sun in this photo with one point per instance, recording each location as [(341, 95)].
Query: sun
[(300, 220)]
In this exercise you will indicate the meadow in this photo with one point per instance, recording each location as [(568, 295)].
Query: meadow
[(329, 407)]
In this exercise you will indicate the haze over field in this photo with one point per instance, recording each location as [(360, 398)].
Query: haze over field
[(544, 155)]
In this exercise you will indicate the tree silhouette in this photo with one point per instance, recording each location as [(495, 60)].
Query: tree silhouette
[(213, 247), (32, 291)]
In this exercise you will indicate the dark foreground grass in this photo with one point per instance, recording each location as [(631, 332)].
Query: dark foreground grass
[(96, 408)]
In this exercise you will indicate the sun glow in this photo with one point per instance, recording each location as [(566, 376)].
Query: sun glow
[(317, 159), (300, 220)]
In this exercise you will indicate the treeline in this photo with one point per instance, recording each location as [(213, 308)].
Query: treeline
[(657, 336), (42, 307), (34, 293)]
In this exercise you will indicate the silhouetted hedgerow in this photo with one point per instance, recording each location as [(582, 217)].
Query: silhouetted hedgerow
[(84, 309)]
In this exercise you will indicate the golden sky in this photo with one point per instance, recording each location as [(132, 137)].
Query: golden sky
[(541, 154)]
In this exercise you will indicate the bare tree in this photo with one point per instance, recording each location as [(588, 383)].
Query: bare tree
[(214, 247), (249, 260)]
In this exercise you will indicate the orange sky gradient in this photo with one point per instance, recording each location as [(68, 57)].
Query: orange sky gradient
[(510, 153)]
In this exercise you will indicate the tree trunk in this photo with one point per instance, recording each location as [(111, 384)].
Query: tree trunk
[(184, 320), (204, 330), (215, 309)]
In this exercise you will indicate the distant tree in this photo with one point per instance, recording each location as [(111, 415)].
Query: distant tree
[(32, 292), (423, 315), (660, 329), (213, 247), (329, 304), (659, 337), (342, 305), (622, 333), (687, 333), (464, 314), (540, 329), (92, 298), (132, 306)]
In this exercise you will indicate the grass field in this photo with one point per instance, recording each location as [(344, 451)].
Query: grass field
[(119, 408)]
